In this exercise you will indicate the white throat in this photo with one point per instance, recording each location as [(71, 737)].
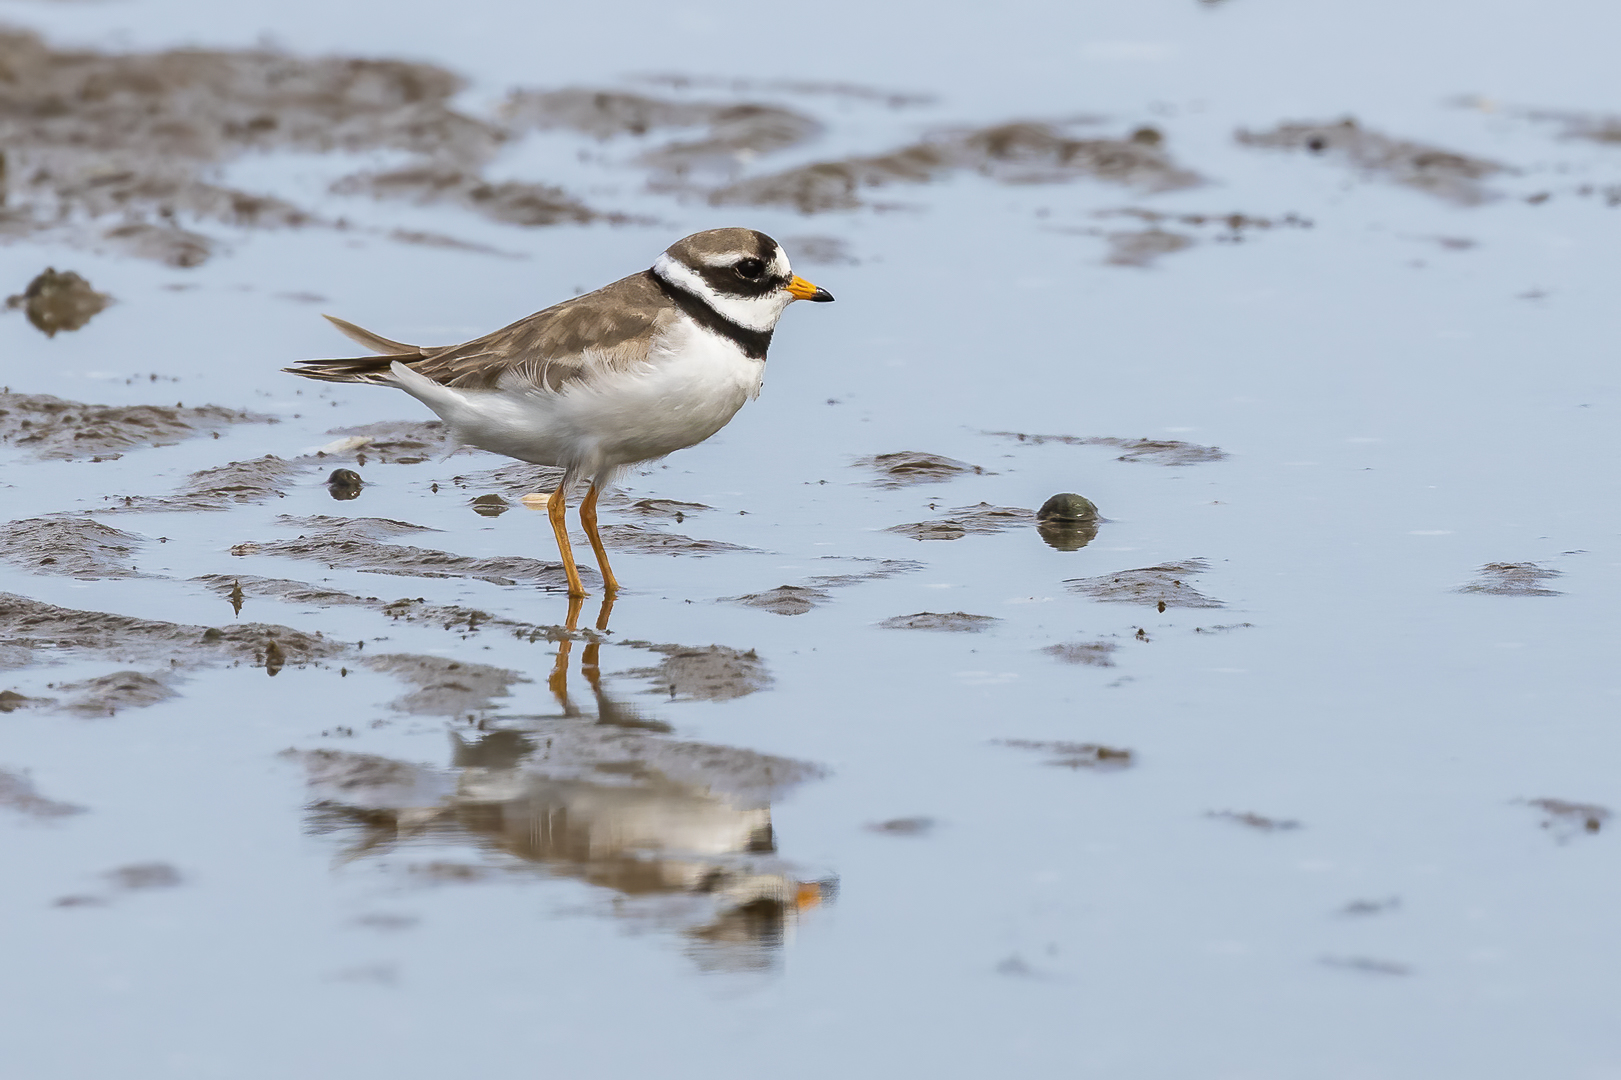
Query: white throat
[(752, 312)]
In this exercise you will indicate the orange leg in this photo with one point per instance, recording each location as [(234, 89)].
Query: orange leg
[(556, 507), (588, 518)]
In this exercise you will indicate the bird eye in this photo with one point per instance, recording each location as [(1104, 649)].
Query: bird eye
[(750, 268)]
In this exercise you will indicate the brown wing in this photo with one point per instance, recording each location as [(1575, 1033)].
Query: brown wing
[(611, 329)]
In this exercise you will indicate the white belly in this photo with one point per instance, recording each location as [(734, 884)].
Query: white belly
[(688, 390)]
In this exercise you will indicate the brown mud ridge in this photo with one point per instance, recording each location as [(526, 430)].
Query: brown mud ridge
[(1445, 174), (981, 519), (1090, 653), (1570, 819), (55, 302), (19, 795), (1160, 586), (1513, 579), (57, 430), (1016, 153), (1145, 451), (798, 599), (364, 544), (70, 546), (1076, 755), (36, 632), (680, 831), (1141, 247), (715, 673), (1258, 822), (907, 467), (951, 622), (136, 877)]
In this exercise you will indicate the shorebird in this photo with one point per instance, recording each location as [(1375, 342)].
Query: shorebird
[(653, 363)]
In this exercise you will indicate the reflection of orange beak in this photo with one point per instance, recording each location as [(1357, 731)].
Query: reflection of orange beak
[(809, 893), (800, 289)]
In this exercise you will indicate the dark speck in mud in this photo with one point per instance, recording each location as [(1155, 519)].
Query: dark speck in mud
[(18, 794), (1153, 585), (784, 599), (1258, 822), (979, 519), (1513, 579), (1147, 451), (953, 622), (715, 673), (1089, 653), (1445, 174), (1566, 819), (1014, 153), (1076, 755), (909, 826), (59, 301), (55, 429), (490, 506), (70, 546), (445, 687), (913, 467), (344, 485)]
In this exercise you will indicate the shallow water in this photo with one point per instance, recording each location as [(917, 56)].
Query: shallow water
[(281, 793)]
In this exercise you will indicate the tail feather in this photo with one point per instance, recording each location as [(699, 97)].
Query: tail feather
[(357, 369), (375, 342)]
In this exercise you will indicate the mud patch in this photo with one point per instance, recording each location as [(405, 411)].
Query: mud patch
[(392, 442), (978, 520), (784, 599), (31, 626), (641, 540), (1513, 579), (716, 673), (1087, 653), (1160, 586), (140, 877), (70, 547), (445, 687), (147, 132), (353, 544), (58, 430), (108, 694), (908, 467), (19, 795), (959, 622), (1442, 173), (1147, 451), (1076, 755), (1258, 822), (1016, 153), (671, 509), (1366, 965), (511, 202), (909, 826), (236, 483), (55, 301), (1566, 820)]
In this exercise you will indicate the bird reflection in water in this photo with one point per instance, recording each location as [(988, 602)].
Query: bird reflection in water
[(680, 831)]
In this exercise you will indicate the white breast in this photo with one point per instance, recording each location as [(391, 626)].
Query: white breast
[(693, 383)]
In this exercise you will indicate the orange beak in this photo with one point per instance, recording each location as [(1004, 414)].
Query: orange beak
[(800, 289)]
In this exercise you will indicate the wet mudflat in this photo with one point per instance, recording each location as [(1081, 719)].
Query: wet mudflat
[(1281, 744)]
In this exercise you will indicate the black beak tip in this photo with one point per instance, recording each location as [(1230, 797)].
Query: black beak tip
[(822, 297)]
